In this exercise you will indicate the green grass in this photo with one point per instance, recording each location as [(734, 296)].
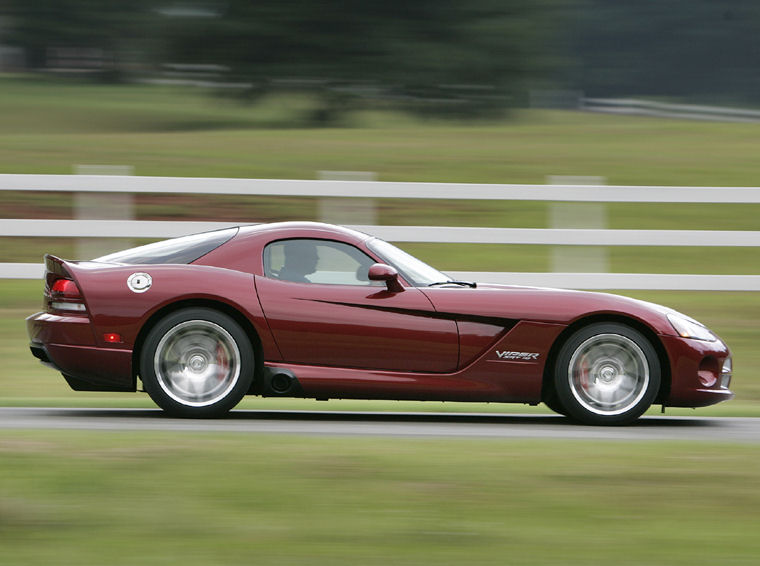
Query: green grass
[(635, 151), (48, 127), (92, 498)]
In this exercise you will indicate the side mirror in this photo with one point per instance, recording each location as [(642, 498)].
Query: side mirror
[(382, 272)]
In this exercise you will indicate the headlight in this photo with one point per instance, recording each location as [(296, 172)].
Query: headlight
[(690, 328)]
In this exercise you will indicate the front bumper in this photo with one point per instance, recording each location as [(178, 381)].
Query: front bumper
[(697, 376)]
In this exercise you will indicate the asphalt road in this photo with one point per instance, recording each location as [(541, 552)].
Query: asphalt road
[(746, 430)]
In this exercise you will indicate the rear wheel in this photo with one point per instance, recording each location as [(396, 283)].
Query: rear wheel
[(197, 362), (607, 373)]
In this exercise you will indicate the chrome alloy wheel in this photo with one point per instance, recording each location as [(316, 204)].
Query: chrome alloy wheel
[(608, 374), (197, 363)]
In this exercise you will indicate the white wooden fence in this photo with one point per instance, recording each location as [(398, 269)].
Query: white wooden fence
[(374, 189)]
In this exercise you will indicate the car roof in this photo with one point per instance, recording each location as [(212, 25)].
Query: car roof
[(283, 230)]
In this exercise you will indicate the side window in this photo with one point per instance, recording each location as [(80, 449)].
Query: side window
[(317, 261)]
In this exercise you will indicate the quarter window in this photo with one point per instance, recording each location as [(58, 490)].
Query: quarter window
[(184, 250)]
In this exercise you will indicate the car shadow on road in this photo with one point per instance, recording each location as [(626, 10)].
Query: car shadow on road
[(392, 417), (479, 418)]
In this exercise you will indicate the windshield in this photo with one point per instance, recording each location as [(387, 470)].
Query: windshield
[(418, 273)]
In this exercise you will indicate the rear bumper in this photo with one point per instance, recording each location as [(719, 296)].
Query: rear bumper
[(67, 344), (40, 352)]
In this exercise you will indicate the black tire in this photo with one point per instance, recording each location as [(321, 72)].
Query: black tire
[(197, 362), (607, 374), (552, 401)]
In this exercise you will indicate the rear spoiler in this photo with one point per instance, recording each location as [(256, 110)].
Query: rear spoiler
[(55, 268)]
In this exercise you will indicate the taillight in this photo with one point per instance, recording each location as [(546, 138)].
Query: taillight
[(65, 296), (66, 288)]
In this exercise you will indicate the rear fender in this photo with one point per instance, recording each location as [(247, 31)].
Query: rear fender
[(115, 307)]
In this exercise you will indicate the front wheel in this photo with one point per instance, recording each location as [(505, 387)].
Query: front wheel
[(197, 362), (607, 373)]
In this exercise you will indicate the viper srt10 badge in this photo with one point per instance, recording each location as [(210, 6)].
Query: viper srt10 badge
[(139, 282), (526, 356)]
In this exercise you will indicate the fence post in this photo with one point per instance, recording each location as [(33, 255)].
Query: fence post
[(569, 259), (102, 206), (335, 210)]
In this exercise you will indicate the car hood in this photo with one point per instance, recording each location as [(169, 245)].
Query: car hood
[(543, 304)]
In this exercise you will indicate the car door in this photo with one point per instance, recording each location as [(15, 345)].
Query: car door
[(323, 310)]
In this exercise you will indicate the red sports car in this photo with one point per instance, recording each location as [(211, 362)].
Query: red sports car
[(314, 310)]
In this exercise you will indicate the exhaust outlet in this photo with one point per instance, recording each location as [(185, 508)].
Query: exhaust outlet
[(279, 382)]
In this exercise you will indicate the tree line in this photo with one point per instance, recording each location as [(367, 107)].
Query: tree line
[(440, 56)]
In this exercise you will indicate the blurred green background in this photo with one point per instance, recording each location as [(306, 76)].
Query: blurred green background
[(476, 92)]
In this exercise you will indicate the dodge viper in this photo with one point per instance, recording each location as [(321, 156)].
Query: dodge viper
[(313, 310)]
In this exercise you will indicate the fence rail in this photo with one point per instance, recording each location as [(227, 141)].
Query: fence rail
[(640, 281), (436, 234), (375, 189), (378, 189)]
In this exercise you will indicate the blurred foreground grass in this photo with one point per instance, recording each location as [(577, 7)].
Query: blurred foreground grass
[(24, 381), (92, 498)]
